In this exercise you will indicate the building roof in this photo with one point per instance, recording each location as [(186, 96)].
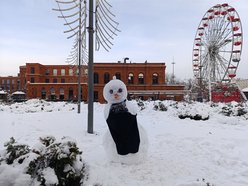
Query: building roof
[(242, 83)]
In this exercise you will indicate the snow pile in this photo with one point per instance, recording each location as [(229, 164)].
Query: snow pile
[(36, 105)]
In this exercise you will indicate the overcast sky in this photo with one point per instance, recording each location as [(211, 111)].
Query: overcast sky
[(156, 31)]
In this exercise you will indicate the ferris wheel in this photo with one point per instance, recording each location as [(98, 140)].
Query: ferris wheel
[(217, 45)]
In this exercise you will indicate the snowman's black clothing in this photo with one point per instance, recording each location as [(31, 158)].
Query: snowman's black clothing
[(124, 129)]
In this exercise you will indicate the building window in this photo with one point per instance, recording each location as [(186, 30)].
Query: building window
[(52, 94), (155, 78), (52, 90), (32, 80), (47, 71), (43, 93), (62, 72), (32, 71), (106, 77), (70, 96), (96, 78), (141, 78), (118, 75), (61, 94), (47, 80), (61, 91), (13, 81), (71, 72), (62, 80), (55, 80), (55, 72), (130, 78), (8, 81), (95, 96), (18, 84)]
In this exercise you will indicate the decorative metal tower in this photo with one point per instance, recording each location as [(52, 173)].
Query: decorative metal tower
[(74, 13)]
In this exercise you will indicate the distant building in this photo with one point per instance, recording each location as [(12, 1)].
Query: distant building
[(10, 83), (3, 95), (243, 85), (60, 82)]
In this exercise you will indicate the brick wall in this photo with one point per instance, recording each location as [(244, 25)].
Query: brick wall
[(60, 82)]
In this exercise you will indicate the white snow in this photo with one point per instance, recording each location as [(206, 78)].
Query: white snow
[(245, 89), (18, 92), (2, 92), (182, 152)]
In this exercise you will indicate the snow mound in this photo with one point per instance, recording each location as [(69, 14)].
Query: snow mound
[(36, 105)]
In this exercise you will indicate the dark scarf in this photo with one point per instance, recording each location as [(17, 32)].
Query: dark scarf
[(123, 128), (119, 107)]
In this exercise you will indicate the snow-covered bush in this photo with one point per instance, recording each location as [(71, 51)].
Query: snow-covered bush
[(49, 163), (141, 104), (195, 111), (160, 106), (194, 117), (203, 180), (227, 111), (197, 182), (233, 109), (15, 151)]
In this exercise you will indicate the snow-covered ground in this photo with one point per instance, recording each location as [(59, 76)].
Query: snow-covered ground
[(182, 152)]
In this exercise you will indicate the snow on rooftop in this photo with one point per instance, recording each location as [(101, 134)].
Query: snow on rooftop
[(245, 89), (18, 92), (3, 92)]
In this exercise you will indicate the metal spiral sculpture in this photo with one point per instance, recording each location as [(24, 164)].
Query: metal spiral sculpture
[(74, 13), (106, 26)]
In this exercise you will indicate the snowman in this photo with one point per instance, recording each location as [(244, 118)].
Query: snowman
[(126, 140)]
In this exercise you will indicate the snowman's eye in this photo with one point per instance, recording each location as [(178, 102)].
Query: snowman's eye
[(120, 90), (111, 91)]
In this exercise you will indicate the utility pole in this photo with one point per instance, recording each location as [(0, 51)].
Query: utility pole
[(90, 68)]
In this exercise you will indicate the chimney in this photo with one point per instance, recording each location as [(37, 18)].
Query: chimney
[(125, 59)]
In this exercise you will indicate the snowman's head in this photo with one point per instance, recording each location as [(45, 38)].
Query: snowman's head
[(115, 91)]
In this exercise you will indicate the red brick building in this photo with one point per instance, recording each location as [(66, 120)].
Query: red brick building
[(60, 82), (10, 83)]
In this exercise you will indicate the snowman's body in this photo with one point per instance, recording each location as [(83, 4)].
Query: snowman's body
[(125, 141)]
